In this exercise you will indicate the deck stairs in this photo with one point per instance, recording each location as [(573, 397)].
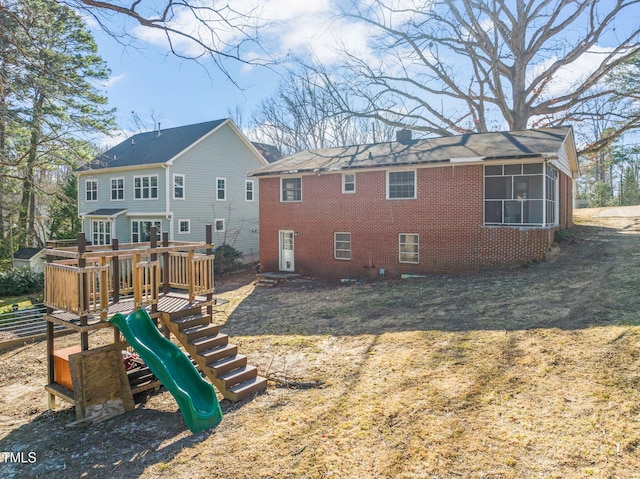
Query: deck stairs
[(211, 351)]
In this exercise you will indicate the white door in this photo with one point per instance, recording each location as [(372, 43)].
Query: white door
[(286, 251)]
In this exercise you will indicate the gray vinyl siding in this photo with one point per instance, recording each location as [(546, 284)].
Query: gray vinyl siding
[(221, 155)]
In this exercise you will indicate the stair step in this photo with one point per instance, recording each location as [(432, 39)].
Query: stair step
[(244, 389), (191, 321), (209, 342), (239, 375), (215, 354), (192, 311), (227, 364), (200, 331)]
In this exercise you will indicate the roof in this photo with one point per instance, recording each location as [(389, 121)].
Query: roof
[(269, 152), (153, 147), (545, 143), (26, 253), (106, 212)]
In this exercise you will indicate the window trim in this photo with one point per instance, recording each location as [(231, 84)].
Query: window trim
[(282, 180), (224, 189), (104, 233), (215, 225), (94, 192), (400, 243), (415, 184), (150, 198), (111, 180), (335, 245), (184, 186), (188, 222), (251, 190), (344, 183)]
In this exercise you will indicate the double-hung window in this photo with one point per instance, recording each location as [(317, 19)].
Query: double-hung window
[(145, 187), (100, 232), (291, 189), (409, 248), (117, 189), (401, 185), (91, 187), (248, 190), (342, 246), (349, 183), (178, 187), (184, 226), (141, 230), (221, 189)]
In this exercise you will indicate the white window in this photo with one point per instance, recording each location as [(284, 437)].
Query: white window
[(91, 187), (117, 189), (100, 232), (248, 190), (178, 187), (221, 189), (145, 187), (141, 230), (219, 225), (342, 246), (184, 226), (291, 189), (520, 194), (401, 185), (409, 248), (349, 183)]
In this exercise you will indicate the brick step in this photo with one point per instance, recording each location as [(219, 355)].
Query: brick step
[(244, 389), (267, 282), (200, 331), (206, 343), (216, 354), (227, 364), (187, 322), (237, 376)]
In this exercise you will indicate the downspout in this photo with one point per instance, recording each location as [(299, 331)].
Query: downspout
[(167, 202)]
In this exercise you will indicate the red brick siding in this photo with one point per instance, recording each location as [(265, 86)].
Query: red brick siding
[(447, 214)]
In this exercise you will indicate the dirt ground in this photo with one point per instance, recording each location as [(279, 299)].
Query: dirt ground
[(531, 372)]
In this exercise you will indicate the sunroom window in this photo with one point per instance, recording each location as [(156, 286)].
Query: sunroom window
[(520, 194)]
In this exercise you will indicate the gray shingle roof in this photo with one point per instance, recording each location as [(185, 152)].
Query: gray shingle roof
[(26, 253), (150, 148), (479, 146), (106, 212)]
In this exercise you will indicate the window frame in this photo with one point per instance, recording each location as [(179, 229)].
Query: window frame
[(188, 223), (223, 189), (249, 190), (143, 220), (91, 192), (215, 225), (120, 188), (345, 183), (415, 184), (416, 253), (335, 245), (298, 196), (105, 235), (150, 187), (183, 186)]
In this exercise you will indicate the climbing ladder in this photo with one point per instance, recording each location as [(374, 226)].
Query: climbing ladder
[(210, 349)]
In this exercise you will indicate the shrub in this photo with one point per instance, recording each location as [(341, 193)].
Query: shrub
[(20, 281), (227, 257)]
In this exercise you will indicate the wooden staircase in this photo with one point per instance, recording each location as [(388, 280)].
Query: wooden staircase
[(211, 351)]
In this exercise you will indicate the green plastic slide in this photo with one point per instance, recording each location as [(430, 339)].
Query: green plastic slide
[(195, 396)]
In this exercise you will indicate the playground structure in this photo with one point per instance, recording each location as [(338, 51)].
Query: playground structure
[(172, 281)]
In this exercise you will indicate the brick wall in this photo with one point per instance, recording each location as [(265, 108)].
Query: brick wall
[(447, 214)]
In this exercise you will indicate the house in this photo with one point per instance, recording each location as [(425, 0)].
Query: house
[(32, 258), (443, 205), (177, 179)]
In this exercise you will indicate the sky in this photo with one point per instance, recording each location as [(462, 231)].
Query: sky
[(157, 85)]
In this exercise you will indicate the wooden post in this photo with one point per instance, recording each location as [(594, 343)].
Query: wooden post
[(209, 251), (155, 286), (104, 289), (137, 282), (84, 300), (165, 261), (115, 267), (50, 350), (191, 274)]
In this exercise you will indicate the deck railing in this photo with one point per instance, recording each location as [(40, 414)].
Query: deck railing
[(79, 290)]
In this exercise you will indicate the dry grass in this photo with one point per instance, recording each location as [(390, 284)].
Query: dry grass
[(527, 373)]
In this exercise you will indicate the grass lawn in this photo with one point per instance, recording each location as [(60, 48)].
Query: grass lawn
[(527, 373)]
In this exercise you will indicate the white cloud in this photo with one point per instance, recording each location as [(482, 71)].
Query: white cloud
[(114, 80)]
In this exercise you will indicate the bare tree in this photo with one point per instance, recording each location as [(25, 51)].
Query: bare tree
[(459, 66)]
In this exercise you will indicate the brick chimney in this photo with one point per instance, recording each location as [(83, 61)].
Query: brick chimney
[(403, 136)]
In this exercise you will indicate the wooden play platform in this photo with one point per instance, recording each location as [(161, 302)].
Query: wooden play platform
[(174, 281)]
